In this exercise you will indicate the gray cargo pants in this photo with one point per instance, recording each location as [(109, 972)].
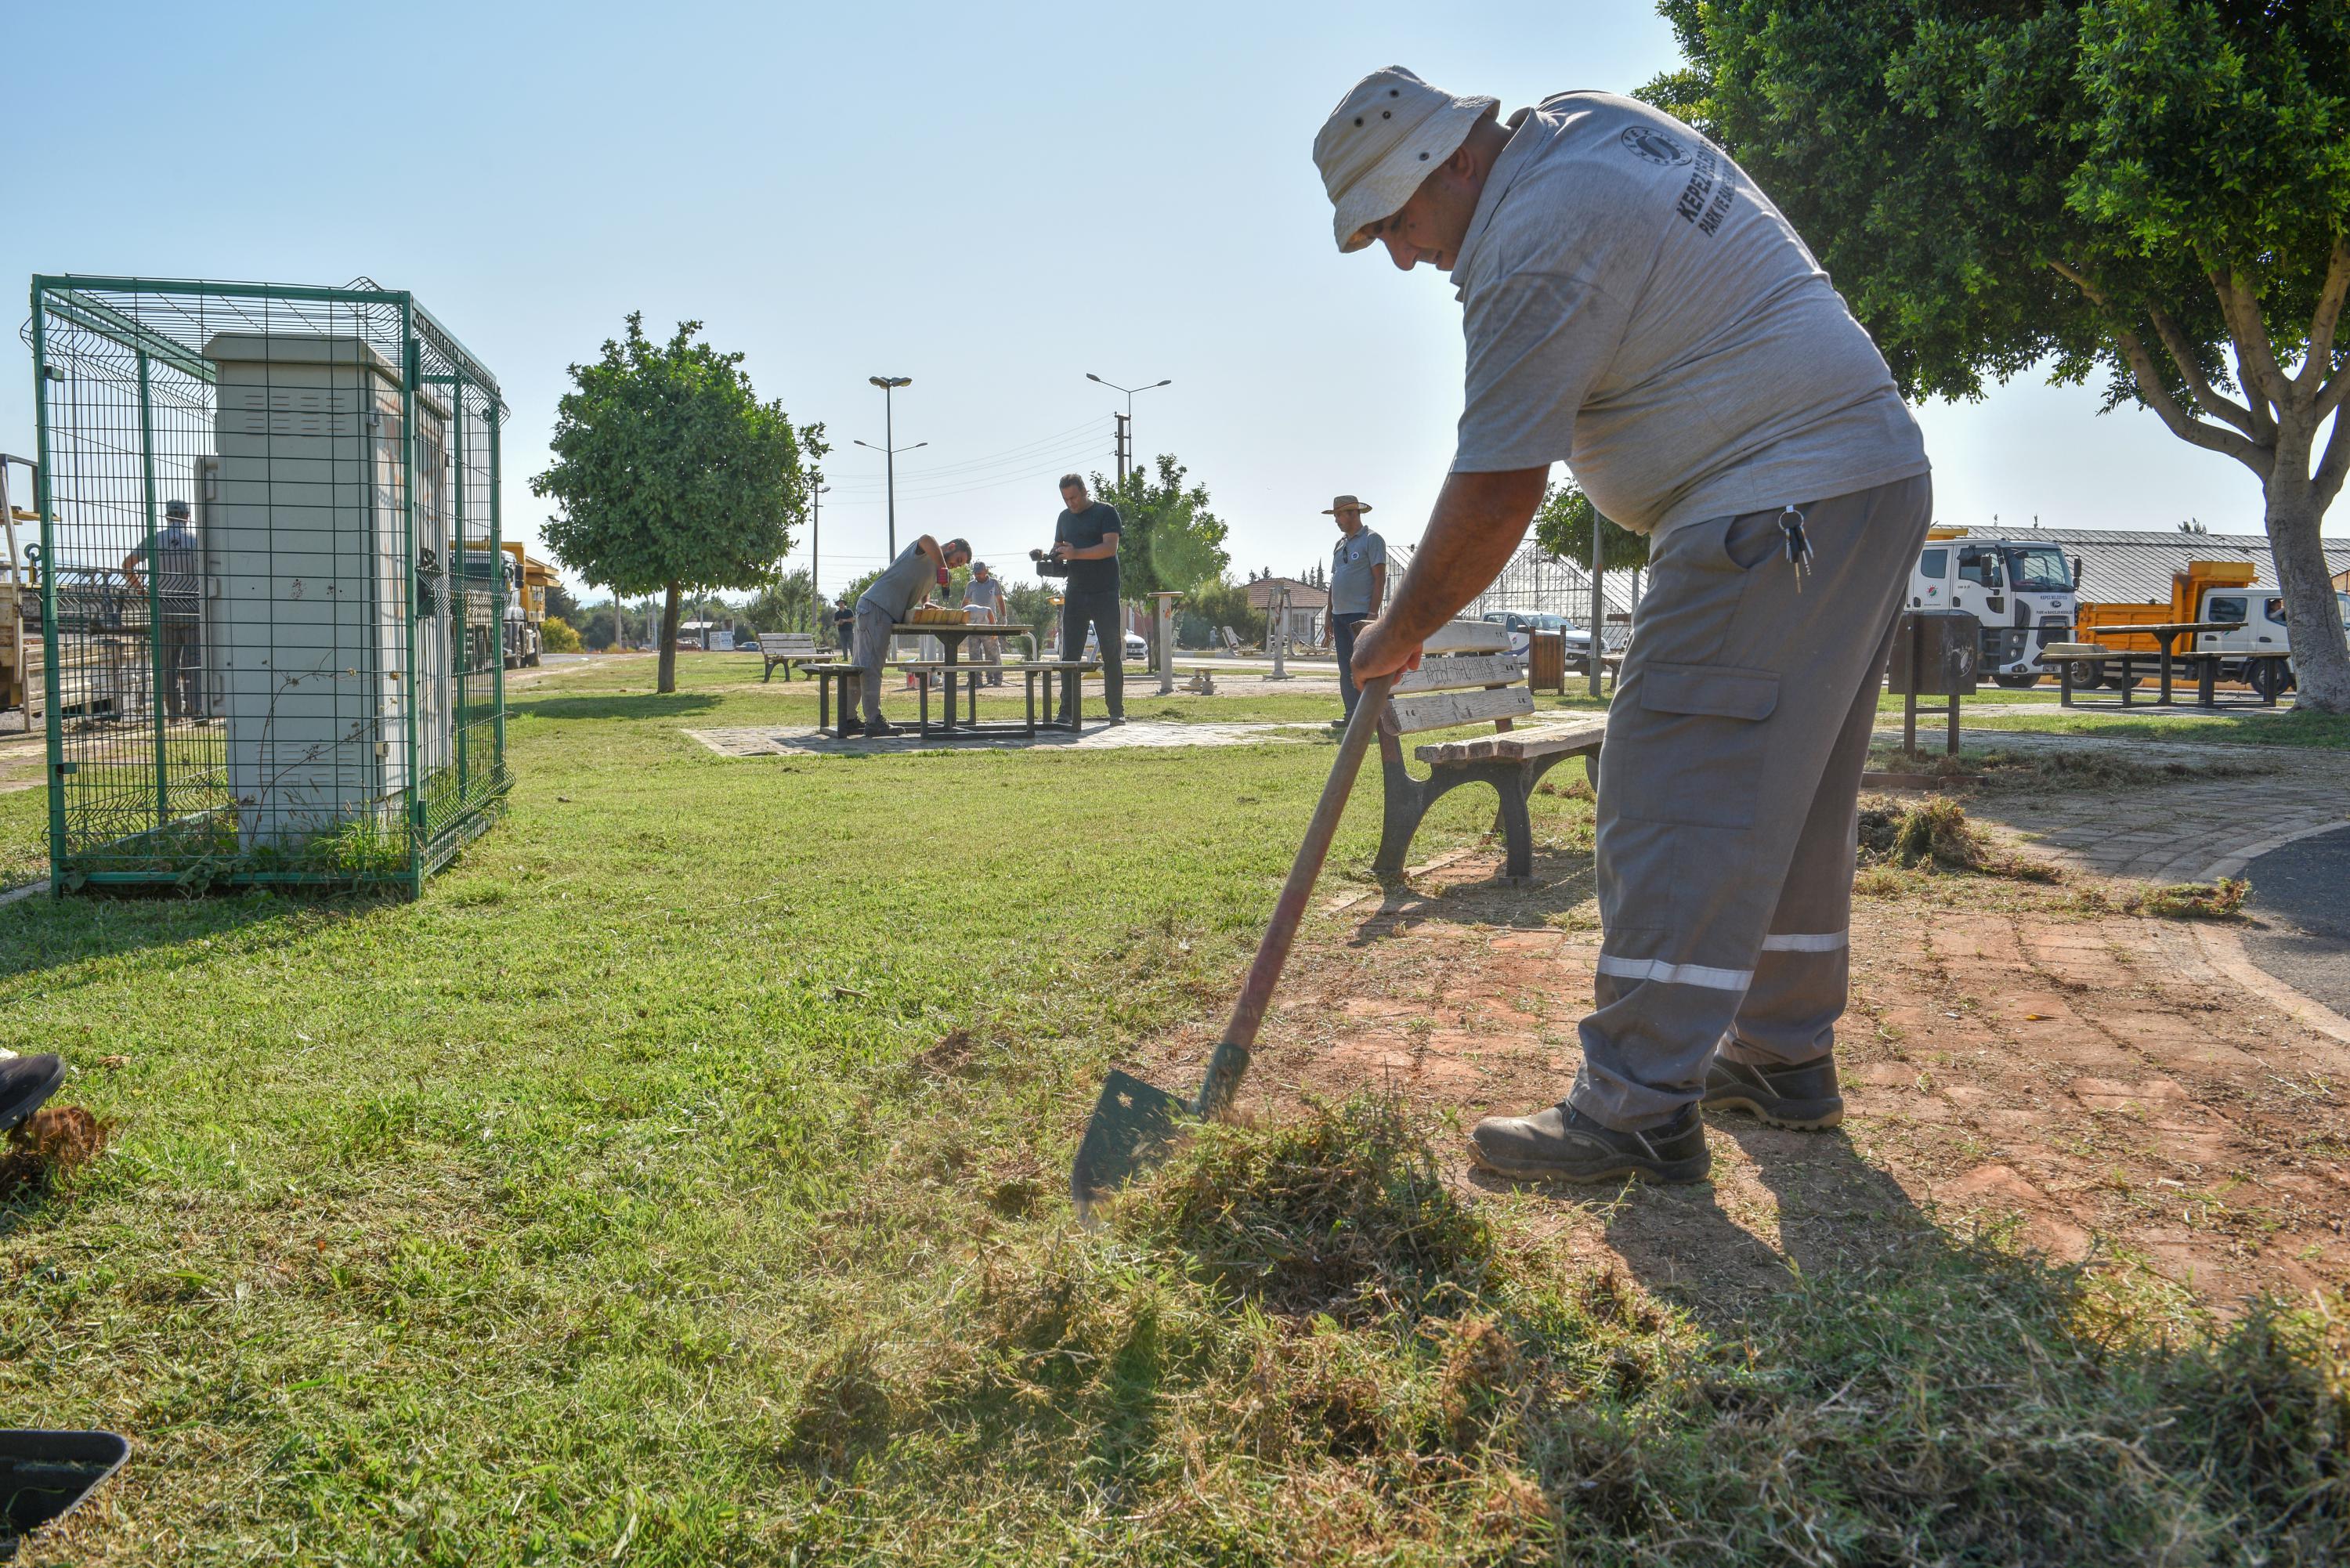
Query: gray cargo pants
[(873, 624), (1726, 790)]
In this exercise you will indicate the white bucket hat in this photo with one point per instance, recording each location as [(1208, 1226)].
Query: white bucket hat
[(1386, 135)]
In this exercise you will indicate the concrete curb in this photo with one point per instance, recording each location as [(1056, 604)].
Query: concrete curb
[(2233, 865), (2226, 952)]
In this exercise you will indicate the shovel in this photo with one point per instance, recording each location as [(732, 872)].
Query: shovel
[(1134, 1122)]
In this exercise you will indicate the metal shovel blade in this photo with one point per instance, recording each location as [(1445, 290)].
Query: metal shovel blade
[(1132, 1124)]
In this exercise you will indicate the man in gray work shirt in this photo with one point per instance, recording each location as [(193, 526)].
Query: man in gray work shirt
[(983, 598), (176, 556), (1358, 583), (903, 583), (1636, 306)]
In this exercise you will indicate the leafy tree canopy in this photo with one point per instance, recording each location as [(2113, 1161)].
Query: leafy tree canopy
[(1563, 525), (669, 473), (1168, 538), (2154, 193)]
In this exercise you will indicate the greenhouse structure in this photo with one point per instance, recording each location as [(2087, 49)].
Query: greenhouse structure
[(272, 587)]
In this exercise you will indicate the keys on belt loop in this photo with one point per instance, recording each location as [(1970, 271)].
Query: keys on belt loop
[(1799, 548)]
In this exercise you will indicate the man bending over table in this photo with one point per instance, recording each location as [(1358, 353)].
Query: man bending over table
[(903, 583)]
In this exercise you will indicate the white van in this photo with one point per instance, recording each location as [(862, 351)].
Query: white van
[(2261, 610)]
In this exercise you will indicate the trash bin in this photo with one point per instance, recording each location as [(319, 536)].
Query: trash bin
[(1546, 663), (1935, 653)]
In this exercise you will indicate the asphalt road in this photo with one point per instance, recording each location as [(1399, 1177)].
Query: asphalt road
[(2302, 894)]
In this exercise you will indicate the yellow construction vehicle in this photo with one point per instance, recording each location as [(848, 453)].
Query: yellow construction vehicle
[(527, 580)]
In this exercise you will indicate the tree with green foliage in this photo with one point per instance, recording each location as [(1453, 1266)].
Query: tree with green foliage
[(1168, 538), (1563, 525), (2152, 191), (786, 603), (1216, 604), (670, 474)]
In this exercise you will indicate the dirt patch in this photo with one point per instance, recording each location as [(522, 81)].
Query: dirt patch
[(2012, 1059)]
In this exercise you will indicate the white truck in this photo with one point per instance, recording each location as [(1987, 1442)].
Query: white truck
[(2022, 590)]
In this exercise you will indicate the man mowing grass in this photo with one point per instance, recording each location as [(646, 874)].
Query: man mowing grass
[(1635, 308)]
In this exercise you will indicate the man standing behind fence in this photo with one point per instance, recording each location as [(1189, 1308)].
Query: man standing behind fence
[(890, 598), (178, 569), (1085, 536), (1358, 585)]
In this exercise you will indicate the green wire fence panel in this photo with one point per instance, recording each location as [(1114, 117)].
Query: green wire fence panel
[(272, 591)]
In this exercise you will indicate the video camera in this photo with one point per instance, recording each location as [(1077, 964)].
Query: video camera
[(1048, 564)]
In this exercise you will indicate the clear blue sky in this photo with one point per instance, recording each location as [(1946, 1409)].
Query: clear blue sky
[(992, 200)]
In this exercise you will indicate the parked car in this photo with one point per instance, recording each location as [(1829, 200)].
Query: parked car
[(1522, 626), (1136, 645)]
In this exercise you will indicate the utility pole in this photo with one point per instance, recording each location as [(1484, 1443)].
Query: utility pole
[(1126, 421), (1117, 444), (888, 449), (816, 544)]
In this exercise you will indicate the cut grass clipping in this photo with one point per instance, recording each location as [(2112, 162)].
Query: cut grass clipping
[(1296, 1345), (1936, 835)]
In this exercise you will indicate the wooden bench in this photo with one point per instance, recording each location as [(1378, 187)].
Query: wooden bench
[(1470, 677), (787, 649)]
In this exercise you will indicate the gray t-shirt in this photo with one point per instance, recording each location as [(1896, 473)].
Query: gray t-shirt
[(177, 564), (1635, 306), (902, 584), (987, 596), (1351, 560)]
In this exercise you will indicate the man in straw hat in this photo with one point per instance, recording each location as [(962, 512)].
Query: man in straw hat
[(1358, 585), (1636, 306)]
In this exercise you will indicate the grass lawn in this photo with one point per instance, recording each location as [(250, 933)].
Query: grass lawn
[(682, 1181)]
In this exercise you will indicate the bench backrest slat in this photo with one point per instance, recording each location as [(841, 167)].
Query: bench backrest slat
[(1468, 637), (1446, 674), (780, 642), (1444, 710)]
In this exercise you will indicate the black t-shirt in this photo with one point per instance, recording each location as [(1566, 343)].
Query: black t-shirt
[(1084, 529)]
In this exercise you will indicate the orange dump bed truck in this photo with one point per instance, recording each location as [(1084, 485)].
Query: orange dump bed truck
[(2189, 590)]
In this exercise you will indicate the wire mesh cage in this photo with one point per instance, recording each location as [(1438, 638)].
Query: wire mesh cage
[(273, 589)]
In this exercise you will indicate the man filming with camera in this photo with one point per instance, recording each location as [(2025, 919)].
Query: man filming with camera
[(1085, 551)]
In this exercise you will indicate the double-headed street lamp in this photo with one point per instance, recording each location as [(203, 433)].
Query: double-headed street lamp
[(1126, 442), (888, 385)]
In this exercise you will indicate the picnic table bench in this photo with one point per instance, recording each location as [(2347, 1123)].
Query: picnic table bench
[(2080, 664), (1469, 676), (787, 649), (1037, 676)]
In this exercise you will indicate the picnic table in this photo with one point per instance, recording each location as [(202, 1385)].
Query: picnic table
[(2167, 633), (951, 635)]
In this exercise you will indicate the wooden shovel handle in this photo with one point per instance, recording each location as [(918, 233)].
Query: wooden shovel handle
[(1248, 1012)]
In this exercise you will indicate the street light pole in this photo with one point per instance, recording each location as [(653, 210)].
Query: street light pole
[(1126, 446), (890, 385)]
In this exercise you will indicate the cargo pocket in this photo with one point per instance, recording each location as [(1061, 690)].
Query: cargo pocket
[(1692, 755)]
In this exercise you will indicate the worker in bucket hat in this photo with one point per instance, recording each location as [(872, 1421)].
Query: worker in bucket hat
[(1635, 308)]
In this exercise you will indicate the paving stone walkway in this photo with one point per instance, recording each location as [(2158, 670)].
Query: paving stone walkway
[(2195, 829), (769, 741)]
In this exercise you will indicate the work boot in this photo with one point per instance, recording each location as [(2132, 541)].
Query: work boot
[(24, 1083), (880, 729), (1804, 1096), (1562, 1143)]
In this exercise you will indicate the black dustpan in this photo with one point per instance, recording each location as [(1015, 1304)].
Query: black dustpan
[(1134, 1122), (44, 1475)]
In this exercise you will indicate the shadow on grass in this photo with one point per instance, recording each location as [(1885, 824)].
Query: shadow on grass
[(1562, 880), (42, 933), (643, 705)]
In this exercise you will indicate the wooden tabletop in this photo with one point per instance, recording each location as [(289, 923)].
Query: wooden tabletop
[(2174, 626)]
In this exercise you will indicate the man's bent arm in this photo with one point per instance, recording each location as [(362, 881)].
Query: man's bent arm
[(1479, 521), (1378, 588), (1101, 552)]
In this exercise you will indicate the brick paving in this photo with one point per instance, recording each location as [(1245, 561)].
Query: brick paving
[(2195, 829)]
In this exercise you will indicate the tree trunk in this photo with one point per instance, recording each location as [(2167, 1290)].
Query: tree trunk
[(667, 682), (2321, 664)]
